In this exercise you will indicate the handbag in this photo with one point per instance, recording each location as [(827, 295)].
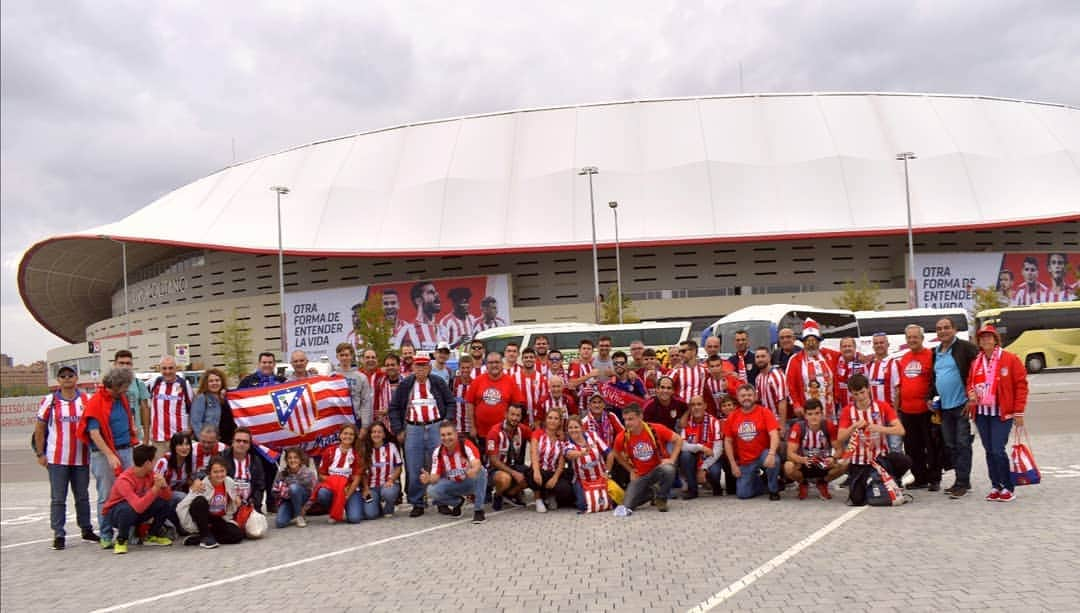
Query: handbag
[(597, 498), (256, 525), (882, 490), (243, 513), (1022, 461)]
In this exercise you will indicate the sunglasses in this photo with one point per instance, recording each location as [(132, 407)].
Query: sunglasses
[(619, 363), (557, 358), (241, 440), (66, 375)]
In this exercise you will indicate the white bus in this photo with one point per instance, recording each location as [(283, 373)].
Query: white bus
[(894, 322), (764, 321), (566, 336)]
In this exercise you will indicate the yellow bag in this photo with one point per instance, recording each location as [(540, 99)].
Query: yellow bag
[(614, 491)]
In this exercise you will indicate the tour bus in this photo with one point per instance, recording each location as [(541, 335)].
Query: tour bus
[(894, 322), (565, 336), (762, 323), (1042, 335)]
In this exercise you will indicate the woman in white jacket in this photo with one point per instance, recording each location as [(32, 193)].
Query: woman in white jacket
[(208, 512)]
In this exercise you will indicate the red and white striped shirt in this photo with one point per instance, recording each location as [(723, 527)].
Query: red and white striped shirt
[(384, 460), (483, 324), (689, 381), (1064, 294), (377, 380), (845, 370), (170, 404), (564, 403), (649, 379), (705, 432), (607, 427), (864, 446), (342, 463), (461, 418), (579, 369), (549, 450), (63, 446), (772, 389), (1026, 296), (883, 376), (200, 459), (534, 388), (507, 447), (590, 466), (423, 336), (477, 371), (717, 389), (176, 477), (452, 466), (456, 328), (422, 407)]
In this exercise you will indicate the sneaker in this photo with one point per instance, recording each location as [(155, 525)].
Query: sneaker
[(550, 503), (192, 540), (823, 490), (417, 511), (496, 503), (120, 547), (517, 501), (621, 511), (209, 542), (157, 541), (455, 511), (774, 496), (994, 495), (443, 509), (478, 517), (331, 521), (106, 543), (59, 543), (949, 490), (540, 508), (958, 492), (661, 504), (89, 537), (804, 490), (934, 487), (301, 522), (1006, 496)]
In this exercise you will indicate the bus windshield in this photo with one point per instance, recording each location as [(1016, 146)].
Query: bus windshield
[(761, 333)]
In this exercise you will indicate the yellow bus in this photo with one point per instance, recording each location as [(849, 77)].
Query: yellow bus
[(1042, 335)]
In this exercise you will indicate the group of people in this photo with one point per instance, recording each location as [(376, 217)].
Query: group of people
[(605, 428)]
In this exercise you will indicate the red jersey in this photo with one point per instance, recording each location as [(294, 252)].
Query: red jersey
[(170, 405), (772, 389), (649, 379), (916, 374), (864, 446), (177, 478), (490, 399), (219, 501), (484, 324), (380, 400), (644, 452), (816, 445), (61, 418), (565, 403), (423, 336), (549, 450), (607, 426), (384, 460), (1026, 295), (749, 432), (452, 466), (200, 458), (883, 376), (456, 328), (590, 466), (341, 463), (689, 380), (811, 377), (508, 447), (534, 388), (845, 370), (714, 390), (705, 432), (422, 408)]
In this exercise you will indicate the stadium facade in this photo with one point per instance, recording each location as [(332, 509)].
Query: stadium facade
[(723, 202)]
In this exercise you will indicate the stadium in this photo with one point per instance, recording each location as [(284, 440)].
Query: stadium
[(723, 202)]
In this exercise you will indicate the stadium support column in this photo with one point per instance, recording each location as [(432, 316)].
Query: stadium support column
[(913, 292), (589, 171), (281, 191), (618, 266)]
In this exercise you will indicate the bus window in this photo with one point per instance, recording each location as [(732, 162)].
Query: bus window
[(499, 344), (760, 334), (568, 341), (833, 325), (660, 337)]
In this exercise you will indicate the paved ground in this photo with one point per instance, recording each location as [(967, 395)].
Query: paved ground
[(936, 554)]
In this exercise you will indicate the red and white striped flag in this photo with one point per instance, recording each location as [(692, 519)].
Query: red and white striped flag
[(306, 413)]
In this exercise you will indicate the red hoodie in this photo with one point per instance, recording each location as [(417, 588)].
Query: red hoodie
[(137, 491), (99, 407)]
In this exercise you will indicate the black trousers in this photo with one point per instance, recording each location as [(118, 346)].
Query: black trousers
[(921, 448), (859, 474), (563, 490), (224, 532)]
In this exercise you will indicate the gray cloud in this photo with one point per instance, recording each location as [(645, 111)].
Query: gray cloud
[(105, 107)]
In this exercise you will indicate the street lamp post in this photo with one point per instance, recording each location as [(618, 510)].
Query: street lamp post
[(127, 311), (618, 265), (912, 290), (281, 191), (589, 171)]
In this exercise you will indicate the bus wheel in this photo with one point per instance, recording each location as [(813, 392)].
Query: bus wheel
[(1035, 363)]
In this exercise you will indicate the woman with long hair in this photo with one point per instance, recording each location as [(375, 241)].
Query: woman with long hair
[(383, 473), (340, 487), (209, 406), (176, 467), (293, 486), (587, 453), (548, 479)]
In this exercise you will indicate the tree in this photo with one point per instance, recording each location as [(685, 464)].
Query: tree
[(609, 308), (236, 347), (862, 296), (986, 298), (373, 330)]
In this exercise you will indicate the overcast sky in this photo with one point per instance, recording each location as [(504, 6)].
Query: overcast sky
[(107, 105)]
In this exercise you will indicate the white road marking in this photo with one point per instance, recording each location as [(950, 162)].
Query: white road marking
[(18, 508), (13, 545), (277, 567), (720, 597)]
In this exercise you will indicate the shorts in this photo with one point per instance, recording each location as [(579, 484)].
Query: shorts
[(521, 468)]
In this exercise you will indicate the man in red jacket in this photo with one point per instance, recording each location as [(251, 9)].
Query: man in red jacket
[(139, 495), (916, 369)]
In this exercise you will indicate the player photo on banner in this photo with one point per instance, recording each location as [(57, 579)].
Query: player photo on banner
[(423, 313), (948, 280)]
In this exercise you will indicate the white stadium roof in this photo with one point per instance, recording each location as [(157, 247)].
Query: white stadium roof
[(709, 169)]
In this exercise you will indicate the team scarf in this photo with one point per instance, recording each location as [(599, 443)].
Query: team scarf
[(986, 374), (513, 443), (742, 368), (843, 367), (602, 426), (706, 427)]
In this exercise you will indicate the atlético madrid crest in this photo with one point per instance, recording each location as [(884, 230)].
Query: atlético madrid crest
[(293, 406)]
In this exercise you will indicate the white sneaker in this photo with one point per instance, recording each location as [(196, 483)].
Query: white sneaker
[(540, 508), (550, 503), (301, 522), (621, 511)]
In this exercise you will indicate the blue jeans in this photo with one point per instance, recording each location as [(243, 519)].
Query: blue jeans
[(420, 443), (354, 506), (994, 435), (448, 492), (60, 476), (124, 518), (291, 506), (104, 478), (688, 465), (382, 501), (956, 430), (749, 482)]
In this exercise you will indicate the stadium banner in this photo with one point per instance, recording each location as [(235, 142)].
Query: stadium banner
[(307, 413), (948, 280), (422, 313)]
